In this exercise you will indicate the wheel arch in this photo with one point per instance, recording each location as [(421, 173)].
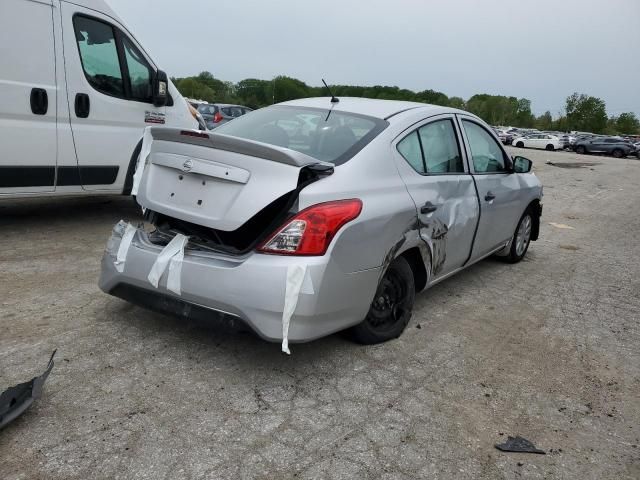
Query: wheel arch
[(417, 258), (128, 181)]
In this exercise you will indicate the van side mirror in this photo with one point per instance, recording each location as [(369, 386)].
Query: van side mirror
[(522, 165), (160, 89)]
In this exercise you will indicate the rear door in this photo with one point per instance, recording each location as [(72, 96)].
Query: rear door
[(109, 81), (28, 96), (431, 163), (498, 189)]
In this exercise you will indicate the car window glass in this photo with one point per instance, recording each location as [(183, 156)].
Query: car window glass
[(333, 138), (440, 147), (486, 152), (99, 55), (207, 109), (409, 148), (139, 72)]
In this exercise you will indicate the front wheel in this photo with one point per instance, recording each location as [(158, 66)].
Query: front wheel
[(617, 153), (550, 148), (521, 238), (391, 308), (581, 150), (520, 145)]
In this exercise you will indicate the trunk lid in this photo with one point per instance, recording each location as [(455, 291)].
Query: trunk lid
[(213, 180)]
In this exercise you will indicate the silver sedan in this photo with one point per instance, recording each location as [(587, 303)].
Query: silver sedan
[(318, 215)]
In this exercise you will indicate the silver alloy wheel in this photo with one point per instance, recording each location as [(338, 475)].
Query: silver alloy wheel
[(523, 235)]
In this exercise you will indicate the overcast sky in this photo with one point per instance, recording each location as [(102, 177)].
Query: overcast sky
[(542, 50)]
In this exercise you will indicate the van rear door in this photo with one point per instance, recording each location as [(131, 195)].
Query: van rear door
[(109, 81), (28, 129)]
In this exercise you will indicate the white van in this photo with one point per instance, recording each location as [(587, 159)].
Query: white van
[(76, 92)]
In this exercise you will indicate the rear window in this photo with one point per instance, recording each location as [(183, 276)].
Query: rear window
[(207, 109), (325, 135)]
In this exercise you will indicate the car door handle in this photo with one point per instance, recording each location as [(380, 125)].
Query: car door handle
[(39, 101), (428, 208), (489, 196), (82, 105)]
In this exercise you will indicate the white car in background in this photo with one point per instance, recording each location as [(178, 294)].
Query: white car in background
[(538, 140)]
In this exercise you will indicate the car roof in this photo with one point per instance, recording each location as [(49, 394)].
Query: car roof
[(368, 106)]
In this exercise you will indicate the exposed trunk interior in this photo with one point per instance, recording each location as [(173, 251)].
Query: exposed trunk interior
[(249, 235)]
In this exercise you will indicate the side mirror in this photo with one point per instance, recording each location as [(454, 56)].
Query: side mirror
[(522, 165), (160, 89)]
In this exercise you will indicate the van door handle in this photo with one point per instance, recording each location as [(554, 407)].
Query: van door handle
[(39, 101), (489, 196), (82, 105), (428, 208)]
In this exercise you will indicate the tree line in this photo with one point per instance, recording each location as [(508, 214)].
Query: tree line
[(581, 112)]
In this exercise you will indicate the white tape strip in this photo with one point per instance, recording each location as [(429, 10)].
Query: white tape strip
[(123, 249), (175, 272), (295, 278), (175, 246), (147, 138)]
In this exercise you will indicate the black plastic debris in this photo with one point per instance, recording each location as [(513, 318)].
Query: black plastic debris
[(16, 400), (519, 444)]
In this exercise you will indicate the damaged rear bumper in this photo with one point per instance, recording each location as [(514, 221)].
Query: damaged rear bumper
[(250, 289)]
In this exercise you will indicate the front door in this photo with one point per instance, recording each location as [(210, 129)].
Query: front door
[(110, 96), (432, 166), (28, 96), (498, 189)]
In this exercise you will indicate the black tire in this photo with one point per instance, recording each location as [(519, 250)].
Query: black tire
[(517, 251), (617, 153), (550, 147), (128, 182), (520, 145), (581, 150), (391, 307)]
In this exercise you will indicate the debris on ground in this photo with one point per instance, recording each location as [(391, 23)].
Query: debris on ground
[(16, 400), (572, 164), (519, 444), (561, 225)]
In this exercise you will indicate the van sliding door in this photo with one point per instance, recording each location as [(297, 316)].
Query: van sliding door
[(28, 110)]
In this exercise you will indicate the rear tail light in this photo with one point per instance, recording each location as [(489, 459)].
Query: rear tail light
[(217, 117), (310, 232)]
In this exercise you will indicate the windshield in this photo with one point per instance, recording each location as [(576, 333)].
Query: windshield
[(335, 139)]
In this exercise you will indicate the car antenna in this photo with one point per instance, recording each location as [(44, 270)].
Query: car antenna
[(334, 99)]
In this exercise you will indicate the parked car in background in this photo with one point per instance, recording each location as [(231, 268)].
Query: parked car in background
[(272, 224), (538, 140), (76, 93), (216, 114), (505, 138), (605, 145)]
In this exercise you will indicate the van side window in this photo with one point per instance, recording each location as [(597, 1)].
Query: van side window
[(99, 55), (139, 72), (487, 155)]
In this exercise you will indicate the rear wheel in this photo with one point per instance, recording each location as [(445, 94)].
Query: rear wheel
[(521, 238), (520, 145), (391, 308), (617, 153), (550, 147)]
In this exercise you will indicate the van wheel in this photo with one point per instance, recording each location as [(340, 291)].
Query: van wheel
[(550, 148), (520, 145), (521, 238), (391, 308)]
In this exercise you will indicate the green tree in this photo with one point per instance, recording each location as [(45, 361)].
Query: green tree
[(192, 88), (457, 102), (586, 113), (545, 121), (287, 88), (627, 123), (433, 97)]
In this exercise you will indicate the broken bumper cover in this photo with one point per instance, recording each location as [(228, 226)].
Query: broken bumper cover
[(249, 288), (16, 400)]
